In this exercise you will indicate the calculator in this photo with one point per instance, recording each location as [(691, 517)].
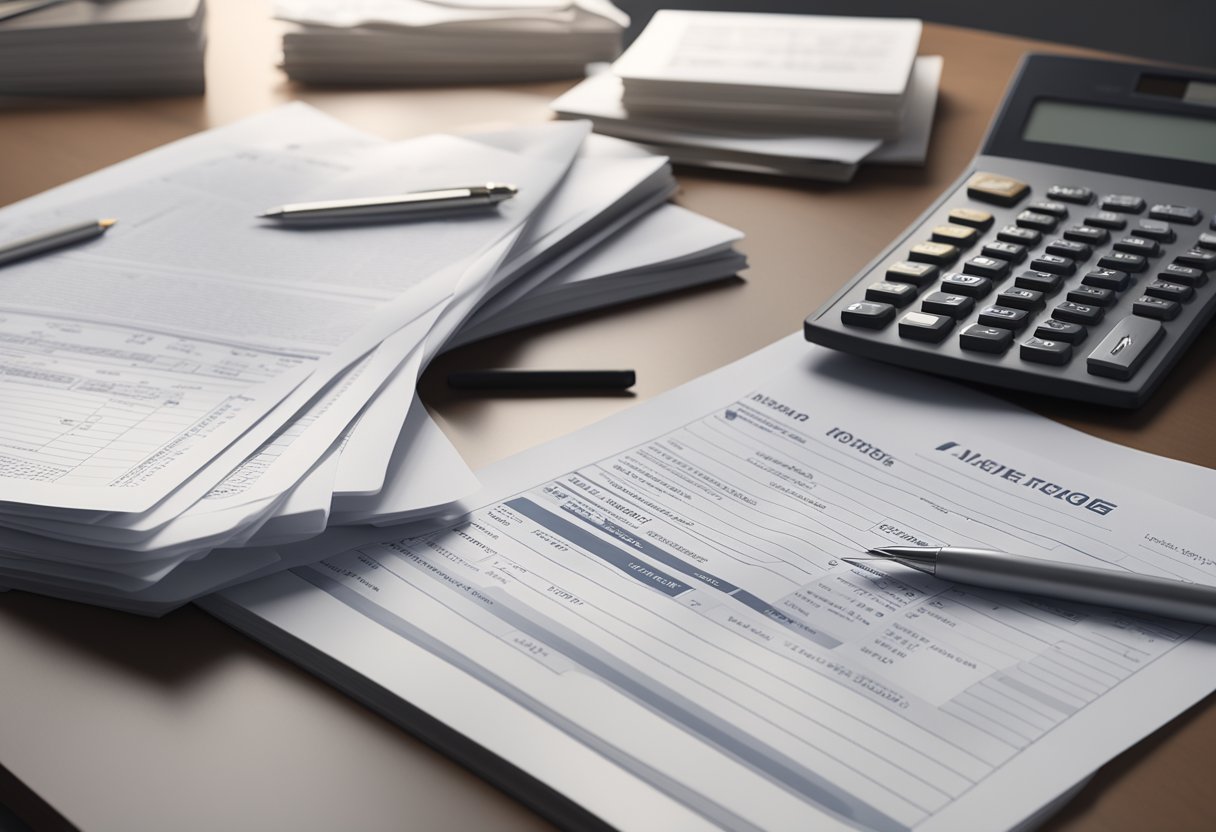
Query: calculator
[(1073, 258)]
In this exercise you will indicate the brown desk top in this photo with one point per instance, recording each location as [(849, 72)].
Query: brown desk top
[(115, 722)]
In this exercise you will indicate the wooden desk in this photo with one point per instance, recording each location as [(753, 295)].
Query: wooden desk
[(108, 721)]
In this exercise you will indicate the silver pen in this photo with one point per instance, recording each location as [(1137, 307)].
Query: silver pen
[(1085, 584), (51, 240), (410, 205)]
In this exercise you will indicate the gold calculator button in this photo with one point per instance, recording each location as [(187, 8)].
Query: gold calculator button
[(959, 235), (939, 254), (970, 216), (997, 189)]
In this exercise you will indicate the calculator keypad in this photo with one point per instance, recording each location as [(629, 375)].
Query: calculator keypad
[(1047, 269)]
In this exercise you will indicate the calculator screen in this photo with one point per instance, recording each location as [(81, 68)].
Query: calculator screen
[(1143, 133)]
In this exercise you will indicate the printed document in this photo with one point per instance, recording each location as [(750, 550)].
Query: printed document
[(658, 604)]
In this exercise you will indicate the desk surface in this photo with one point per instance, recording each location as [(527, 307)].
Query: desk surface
[(116, 722)]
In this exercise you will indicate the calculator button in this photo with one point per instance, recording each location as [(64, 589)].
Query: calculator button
[(937, 253), (1069, 193), (1003, 316), (1077, 313), (1014, 298), (1107, 219), (1087, 234), (980, 338), (959, 235), (997, 189), (897, 294), (1150, 307), (1125, 347), (987, 267), (1056, 209), (918, 274), (1044, 282), (921, 326), (1176, 213), (1207, 240), (1012, 252), (1197, 258), (970, 216), (944, 303), (867, 314), (1123, 203), (1186, 275), (1093, 295), (1035, 220), (1138, 245), (1124, 262), (1169, 291), (1021, 236), (1054, 330), (1107, 279), (1067, 248), (1045, 351), (1162, 232), (1054, 263), (966, 284)]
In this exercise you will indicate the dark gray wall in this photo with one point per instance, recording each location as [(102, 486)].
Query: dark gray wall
[(1177, 31)]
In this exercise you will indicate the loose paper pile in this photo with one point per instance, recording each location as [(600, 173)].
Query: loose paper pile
[(200, 385), (120, 47), (431, 42), (797, 95)]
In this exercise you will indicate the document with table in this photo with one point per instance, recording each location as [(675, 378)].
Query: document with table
[(652, 618)]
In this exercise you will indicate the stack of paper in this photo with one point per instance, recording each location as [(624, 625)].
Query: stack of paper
[(796, 95), (431, 41), (199, 385), (120, 47)]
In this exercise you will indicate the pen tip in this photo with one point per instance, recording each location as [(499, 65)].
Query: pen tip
[(106, 223)]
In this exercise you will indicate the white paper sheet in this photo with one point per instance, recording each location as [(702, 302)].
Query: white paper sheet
[(665, 589)]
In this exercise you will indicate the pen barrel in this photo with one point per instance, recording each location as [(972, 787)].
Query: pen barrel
[(48, 241), (1084, 584)]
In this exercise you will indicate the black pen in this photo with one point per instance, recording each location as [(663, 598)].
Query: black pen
[(542, 379), (51, 240)]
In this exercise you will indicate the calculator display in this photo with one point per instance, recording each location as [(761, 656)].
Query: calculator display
[(1143, 133)]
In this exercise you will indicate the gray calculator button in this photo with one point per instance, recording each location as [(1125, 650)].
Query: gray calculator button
[(922, 326), (1043, 206), (1044, 282), (1169, 291), (1186, 275), (1054, 330), (1069, 248), (980, 338), (897, 294), (1054, 263), (1107, 219), (1162, 232), (1045, 351), (971, 285), (1150, 307), (1093, 295), (1020, 236), (1176, 213), (1087, 234), (992, 267), (1071, 193), (1124, 262), (944, 303), (1123, 351), (1138, 245), (1207, 240), (1012, 252), (867, 314), (1123, 203), (1077, 313), (1198, 259), (1016, 298), (1107, 279), (1036, 220), (1003, 317)]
